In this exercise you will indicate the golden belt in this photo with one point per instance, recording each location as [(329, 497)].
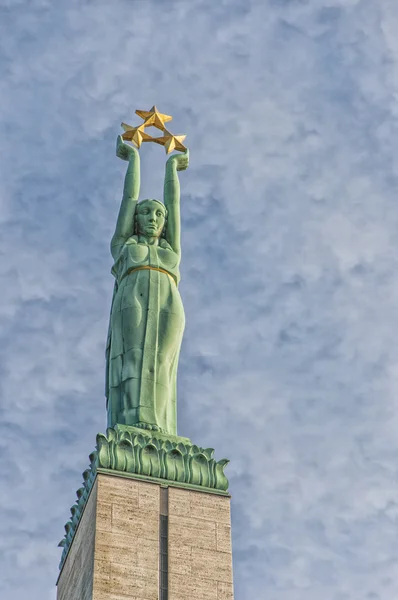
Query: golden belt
[(148, 268)]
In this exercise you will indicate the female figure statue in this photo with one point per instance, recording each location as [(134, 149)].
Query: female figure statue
[(147, 316)]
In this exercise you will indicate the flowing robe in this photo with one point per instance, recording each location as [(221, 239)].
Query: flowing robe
[(145, 333)]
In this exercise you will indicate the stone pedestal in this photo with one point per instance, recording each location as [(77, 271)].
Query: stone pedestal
[(141, 540)]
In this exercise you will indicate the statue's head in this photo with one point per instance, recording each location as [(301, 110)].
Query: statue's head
[(150, 218)]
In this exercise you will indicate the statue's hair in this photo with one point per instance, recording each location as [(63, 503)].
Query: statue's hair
[(163, 234)]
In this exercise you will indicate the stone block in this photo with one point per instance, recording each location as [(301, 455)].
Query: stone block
[(225, 591), (210, 507), (179, 502), (212, 564), (223, 535), (104, 516), (131, 581), (200, 558), (102, 571), (116, 489), (180, 558), (148, 497), (192, 588), (147, 553), (134, 521), (196, 533)]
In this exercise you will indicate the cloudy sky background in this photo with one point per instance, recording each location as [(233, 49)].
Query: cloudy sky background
[(289, 364)]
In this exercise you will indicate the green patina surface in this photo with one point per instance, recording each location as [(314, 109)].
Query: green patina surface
[(133, 452), (147, 316)]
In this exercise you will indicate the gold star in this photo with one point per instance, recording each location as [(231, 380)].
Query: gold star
[(136, 135), (153, 118), (171, 142)]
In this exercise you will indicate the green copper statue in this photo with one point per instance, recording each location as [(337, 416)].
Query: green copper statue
[(147, 316)]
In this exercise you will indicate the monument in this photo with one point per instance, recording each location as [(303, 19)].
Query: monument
[(152, 519)]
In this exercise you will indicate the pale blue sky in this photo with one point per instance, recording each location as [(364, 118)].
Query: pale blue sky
[(289, 364)]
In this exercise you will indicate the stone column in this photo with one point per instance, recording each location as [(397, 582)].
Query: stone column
[(138, 540), (200, 554)]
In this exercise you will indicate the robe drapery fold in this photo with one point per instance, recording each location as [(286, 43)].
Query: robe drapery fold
[(145, 334)]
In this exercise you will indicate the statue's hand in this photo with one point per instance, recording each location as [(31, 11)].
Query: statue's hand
[(181, 161), (123, 150)]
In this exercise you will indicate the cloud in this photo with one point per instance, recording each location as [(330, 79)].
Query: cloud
[(289, 361)]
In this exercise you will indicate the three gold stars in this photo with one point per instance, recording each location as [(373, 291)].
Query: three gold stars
[(153, 118)]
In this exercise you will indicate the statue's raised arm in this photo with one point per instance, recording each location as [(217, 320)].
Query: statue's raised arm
[(177, 162), (125, 220)]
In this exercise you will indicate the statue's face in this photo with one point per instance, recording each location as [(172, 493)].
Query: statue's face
[(151, 217)]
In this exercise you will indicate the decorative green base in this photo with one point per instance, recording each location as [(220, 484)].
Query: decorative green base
[(146, 454), (154, 454)]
